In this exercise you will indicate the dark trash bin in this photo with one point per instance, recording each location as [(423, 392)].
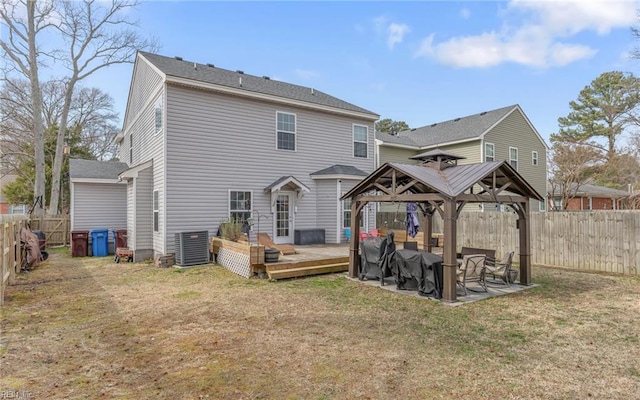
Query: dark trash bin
[(79, 243), (120, 237), (100, 242)]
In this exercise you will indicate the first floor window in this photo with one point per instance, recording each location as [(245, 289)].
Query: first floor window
[(156, 211), (346, 213), (239, 206), (489, 152), (286, 131), (513, 157), (542, 206), (360, 140)]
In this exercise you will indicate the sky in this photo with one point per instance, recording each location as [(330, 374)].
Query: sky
[(420, 62)]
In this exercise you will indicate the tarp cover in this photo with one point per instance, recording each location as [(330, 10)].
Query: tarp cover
[(32, 244), (371, 249), (418, 269)]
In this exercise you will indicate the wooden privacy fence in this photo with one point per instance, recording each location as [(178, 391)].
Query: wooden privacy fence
[(603, 241), (10, 257), (55, 227)]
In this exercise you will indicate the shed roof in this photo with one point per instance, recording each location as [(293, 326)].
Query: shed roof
[(208, 73), (591, 191), (94, 169)]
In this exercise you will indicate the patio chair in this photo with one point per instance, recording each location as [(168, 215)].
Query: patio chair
[(501, 272), (472, 270)]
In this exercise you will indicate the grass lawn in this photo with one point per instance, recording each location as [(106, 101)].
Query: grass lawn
[(87, 328)]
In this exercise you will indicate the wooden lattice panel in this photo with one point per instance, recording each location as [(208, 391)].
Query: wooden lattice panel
[(235, 262)]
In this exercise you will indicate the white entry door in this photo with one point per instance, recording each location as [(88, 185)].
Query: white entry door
[(283, 223)]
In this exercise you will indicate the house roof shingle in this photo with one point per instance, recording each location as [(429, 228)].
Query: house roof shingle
[(469, 127), (590, 190), (172, 66), (340, 170), (93, 169)]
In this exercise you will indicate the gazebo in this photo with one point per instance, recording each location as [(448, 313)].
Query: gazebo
[(439, 184)]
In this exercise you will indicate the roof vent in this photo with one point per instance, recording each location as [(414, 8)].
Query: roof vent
[(178, 58), (432, 125), (456, 120), (313, 93), (483, 113), (240, 80), (267, 78), (195, 66), (413, 129), (210, 65), (240, 72)]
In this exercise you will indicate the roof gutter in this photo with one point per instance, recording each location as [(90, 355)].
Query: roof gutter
[(267, 97)]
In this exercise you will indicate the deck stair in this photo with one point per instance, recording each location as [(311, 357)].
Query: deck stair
[(286, 270)]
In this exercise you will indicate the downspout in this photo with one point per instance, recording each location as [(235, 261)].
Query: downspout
[(338, 211)]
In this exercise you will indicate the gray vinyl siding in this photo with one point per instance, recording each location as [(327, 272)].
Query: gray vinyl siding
[(143, 84), (216, 143), (131, 226), (326, 203), (99, 205), (144, 209), (514, 131)]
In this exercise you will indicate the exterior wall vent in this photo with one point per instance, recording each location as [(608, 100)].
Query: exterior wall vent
[(192, 248)]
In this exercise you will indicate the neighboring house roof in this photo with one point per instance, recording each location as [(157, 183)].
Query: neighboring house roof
[(93, 169), (588, 190), (460, 129), (339, 170), (451, 181), (172, 66)]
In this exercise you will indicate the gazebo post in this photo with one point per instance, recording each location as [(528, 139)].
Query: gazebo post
[(354, 255), (524, 228), (450, 265), (427, 222)]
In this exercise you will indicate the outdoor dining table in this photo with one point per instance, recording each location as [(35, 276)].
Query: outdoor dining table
[(425, 268)]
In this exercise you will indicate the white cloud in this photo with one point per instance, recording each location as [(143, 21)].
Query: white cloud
[(306, 74), (396, 34), (465, 13), (541, 41)]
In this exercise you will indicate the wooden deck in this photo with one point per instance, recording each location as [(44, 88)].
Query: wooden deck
[(310, 260)]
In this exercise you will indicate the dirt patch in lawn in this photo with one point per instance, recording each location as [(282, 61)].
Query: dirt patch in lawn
[(78, 328)]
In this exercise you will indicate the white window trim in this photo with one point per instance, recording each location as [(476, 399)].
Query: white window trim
[(534, 158), (229, 201), (354, 141), (159, 104), (493, 146), (295, 132), (514, 159), (156, 210)]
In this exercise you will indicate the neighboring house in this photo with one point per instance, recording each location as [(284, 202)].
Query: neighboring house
[(502, 134), (5, 206), (587, 197), (205, 144), (98, 198)]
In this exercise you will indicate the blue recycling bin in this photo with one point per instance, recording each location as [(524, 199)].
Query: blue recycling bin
[(100, 242)]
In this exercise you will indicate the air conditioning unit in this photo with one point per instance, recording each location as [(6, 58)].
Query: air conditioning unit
[(192, 248)]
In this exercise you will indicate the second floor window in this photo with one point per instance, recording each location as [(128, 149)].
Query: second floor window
[(286, 131), (534, 158), (360, 140), (513, 157), (159, 115), (131, 149), (489, 152)]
